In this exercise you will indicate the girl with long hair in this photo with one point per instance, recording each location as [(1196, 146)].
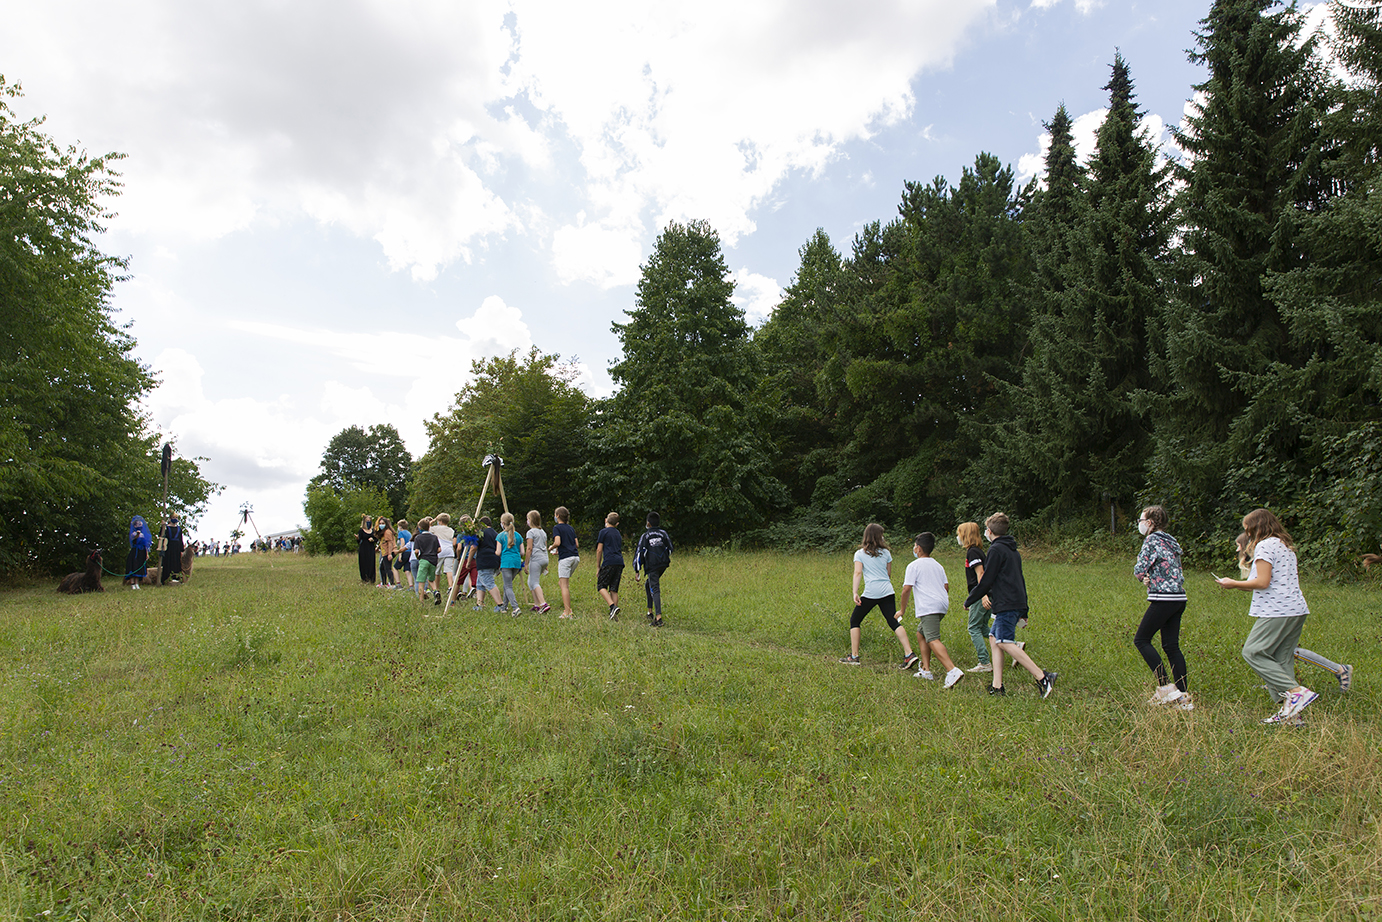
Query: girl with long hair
[(873, 564), (1280, 610)]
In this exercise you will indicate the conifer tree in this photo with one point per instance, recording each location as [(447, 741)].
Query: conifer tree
[(793, 346), (682, 435), (1331, 305), (1078, 436), (1255, 157), (937, 315)]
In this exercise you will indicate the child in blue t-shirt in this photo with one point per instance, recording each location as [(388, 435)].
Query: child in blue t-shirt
[(568, 551), (609, 563)]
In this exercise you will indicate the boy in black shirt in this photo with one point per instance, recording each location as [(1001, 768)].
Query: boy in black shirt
[(653, 554), (1006, 589)]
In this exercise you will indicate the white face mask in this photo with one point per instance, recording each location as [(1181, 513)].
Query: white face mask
[(1144, 526), (959, 541), (988, 536)]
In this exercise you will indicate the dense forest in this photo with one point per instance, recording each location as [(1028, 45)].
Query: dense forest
[(1200, 329)]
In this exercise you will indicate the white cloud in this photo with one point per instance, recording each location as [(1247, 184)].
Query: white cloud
[(698, 112), (1085, 7), (756, 294), (260, 446), (602, 254), (429, 126)]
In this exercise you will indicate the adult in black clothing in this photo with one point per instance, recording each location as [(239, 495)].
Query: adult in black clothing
[(366, 539), (172, 551)]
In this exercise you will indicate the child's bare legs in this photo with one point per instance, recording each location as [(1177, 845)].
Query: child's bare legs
[(940, 650), (996, 657), (565, 583), (923, 650), (901, 633), (1020, 657)]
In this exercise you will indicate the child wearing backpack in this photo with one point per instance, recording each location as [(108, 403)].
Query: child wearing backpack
[(654, 556)]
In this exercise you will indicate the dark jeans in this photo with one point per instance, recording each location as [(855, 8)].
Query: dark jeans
[(653, 587), (1163, 617)]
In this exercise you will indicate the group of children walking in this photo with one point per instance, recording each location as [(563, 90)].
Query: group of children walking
[(477, 560), (997, 605)]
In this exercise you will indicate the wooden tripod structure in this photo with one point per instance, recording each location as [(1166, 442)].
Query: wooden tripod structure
[(493, 468)]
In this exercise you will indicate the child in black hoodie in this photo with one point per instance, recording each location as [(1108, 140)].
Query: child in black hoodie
[(1004, 592)]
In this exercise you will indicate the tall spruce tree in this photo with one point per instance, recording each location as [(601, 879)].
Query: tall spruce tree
[(1255, 159), (937, 316), (1332, 310), (1079, 433), (793, 346), (682, 435)]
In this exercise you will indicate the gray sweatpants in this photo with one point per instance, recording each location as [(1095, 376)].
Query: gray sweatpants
[(1270, 650)]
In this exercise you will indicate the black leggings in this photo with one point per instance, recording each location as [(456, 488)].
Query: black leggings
[(887, 605), (1163, 617)]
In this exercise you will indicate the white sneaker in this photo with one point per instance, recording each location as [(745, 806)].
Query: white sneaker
[(1183, 703), (926, 674), (1165, 695), (982, 667), (1296, 701), (954, 676)]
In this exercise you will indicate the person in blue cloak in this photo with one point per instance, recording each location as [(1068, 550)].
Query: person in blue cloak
[(137, 560)]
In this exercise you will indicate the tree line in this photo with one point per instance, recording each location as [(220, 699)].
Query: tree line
[(77, 456), (1201, 331)]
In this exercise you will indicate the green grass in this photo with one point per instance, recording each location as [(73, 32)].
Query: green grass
[(275, 740)]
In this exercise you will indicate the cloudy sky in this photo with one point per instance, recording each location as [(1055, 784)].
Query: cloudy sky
[(331, 208)]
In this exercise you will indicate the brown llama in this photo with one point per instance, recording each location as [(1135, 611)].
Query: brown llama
[(188, 554), (89, 580)]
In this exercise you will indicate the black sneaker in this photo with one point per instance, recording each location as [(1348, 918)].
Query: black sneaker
[(650, 617), (614, 613), (438, 601), (1000, 691), (1046, 684), (657, 622), (910, 660)]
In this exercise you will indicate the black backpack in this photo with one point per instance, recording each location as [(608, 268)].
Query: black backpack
[(657, 556)]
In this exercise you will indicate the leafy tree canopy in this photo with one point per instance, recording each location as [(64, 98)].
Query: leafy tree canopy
[(374, 458), (76, 457), (525, 409)]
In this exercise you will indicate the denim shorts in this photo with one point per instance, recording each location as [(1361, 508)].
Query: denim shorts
[(1004, 629), (485, 580)]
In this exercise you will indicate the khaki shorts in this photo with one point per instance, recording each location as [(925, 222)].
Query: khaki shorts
[(929, 627), (566, 566)]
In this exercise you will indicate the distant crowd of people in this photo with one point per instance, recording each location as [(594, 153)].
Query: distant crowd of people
[(476, 559)]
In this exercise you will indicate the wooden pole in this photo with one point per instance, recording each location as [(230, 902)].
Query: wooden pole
[(456, 583), (499, 482)]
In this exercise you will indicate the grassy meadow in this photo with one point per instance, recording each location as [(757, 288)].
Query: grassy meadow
[(276, 741)]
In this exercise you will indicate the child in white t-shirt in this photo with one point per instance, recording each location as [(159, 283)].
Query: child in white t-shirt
[(926, 578)]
